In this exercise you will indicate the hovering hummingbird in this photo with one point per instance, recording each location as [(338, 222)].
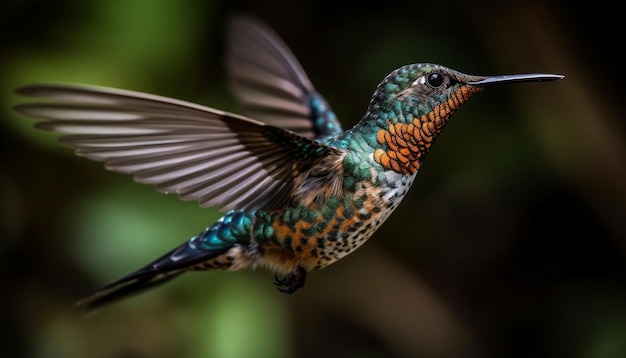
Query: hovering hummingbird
[(298, 192)]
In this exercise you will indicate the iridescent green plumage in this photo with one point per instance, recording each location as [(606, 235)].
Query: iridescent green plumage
[(300, 193)]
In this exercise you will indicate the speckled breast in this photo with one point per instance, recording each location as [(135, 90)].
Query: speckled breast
[(317, 237)]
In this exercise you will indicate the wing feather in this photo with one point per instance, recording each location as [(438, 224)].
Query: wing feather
[(270, 84), (200, 153)]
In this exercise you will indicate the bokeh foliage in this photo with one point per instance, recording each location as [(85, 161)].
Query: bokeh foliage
[(511, 243)]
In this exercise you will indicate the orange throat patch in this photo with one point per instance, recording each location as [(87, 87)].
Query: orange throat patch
[(408, 143)]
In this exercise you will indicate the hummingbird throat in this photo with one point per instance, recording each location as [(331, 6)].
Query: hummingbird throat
[(406, 144)]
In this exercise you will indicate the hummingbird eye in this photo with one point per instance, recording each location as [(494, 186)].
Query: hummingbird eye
[(435, 79)]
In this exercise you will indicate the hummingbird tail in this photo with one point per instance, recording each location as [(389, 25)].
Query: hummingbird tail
[(186, 257), (126, 286)]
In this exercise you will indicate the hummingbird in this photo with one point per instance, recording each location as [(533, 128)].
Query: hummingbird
[(298, 192)]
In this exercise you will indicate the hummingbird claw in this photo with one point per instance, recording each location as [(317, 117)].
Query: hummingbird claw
[(291, 282), (278, 281)]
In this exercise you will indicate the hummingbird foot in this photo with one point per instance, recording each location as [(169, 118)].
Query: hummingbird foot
[(291, 282)]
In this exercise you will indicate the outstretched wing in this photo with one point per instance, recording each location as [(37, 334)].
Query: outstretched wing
[(217, 158), (270, 84)]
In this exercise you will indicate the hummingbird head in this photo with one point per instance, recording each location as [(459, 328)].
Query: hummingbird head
[(420, 89), (412, 105)]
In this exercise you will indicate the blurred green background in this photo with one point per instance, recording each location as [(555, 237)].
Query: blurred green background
[(512, 242)]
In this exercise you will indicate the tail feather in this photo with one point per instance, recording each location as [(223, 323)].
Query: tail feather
[(181, 259), (124, 287)]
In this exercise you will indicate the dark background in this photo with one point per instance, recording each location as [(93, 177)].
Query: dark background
[(512, 242)]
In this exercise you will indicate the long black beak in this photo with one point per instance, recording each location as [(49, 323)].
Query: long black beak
[(501, 80)]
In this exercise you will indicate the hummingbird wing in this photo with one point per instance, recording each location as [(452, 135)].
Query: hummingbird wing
[(270, 84), (197, 152)]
